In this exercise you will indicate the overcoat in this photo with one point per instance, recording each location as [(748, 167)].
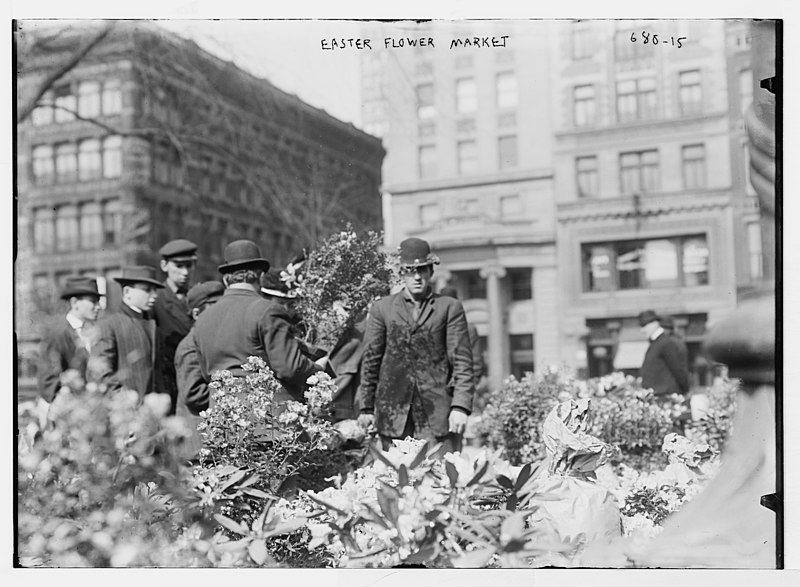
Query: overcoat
[(192, 390), (430, 355), (174, 322), (665, 369), (127, 353), (60, 349)]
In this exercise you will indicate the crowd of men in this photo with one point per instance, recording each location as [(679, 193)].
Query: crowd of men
[(406, 368)]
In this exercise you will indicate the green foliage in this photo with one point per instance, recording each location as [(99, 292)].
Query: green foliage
[(715, 427)]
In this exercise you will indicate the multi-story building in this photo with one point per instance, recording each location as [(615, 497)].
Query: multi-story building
[(469, 168), (149, 138), (581, 174)]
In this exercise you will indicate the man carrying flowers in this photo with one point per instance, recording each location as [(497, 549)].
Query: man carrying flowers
[(416, 374)]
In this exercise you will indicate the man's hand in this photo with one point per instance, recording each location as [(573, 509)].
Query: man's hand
[(367, 422), (457, 421)]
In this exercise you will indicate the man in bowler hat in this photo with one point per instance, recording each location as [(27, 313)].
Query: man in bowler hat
[(243, 324), (664, 369), (171, 310), (416, 372), (127, 352), (66, 341)]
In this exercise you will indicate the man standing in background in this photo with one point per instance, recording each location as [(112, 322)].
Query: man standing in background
[(664, 369)]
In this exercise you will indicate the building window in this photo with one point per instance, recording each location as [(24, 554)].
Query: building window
[(112, 97), (511, 206), (65, 104), (587, 176), (43, 113), (471, 283), (43, 165), (507, 152), (426, 156), (91, 226), (584, 106), (429, 214), (745, 89), (466, 96), (467, 207), (521, 347), (639, 172), (625, 50), (112, 222), (43, 233), (642, 264), (582, 41), (66, 163), (754, 250), (467, 157), (507, 93), (520, 283), (66, 228), (89, 99), (694, 166), (690, 92), (89, 160), (112, 156), (425, 101), (636, 99)]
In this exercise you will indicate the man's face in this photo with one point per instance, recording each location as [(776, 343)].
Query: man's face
[(85, 308), (649, 328), (179, 273), (417, 279), (141, 296)]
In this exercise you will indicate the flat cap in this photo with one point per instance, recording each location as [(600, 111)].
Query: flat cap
[(179, 250), (206, 291)]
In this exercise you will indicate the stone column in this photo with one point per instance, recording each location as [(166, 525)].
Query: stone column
[(497, 364)]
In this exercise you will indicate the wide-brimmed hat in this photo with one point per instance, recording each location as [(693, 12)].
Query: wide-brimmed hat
[(272, 285), (415, 252), (207, 291), (79, 285), (138, 274), (179, 250), (647, 317), (242, 254)]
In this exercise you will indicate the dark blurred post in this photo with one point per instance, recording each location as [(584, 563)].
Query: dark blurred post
[(733, 522)]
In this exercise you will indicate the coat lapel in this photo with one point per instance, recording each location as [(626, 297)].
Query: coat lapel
[(426, 313)]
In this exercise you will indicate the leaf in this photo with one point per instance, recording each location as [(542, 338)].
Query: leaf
[(258, 551), (452, 472), (402, 474), (388, 506), (505, 482), (234, 478), (253, 479), (523, 476), (423, 452), (327, 505), (511, 502), (476, 559), (380, 456), (258, 523), (254, 492), (226, 522), (479, 474), (286, 527), (233, 545), (426, 553)]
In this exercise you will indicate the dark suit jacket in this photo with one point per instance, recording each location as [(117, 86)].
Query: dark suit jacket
[(60, 349), (127, 353), (402, 355), (664, 369), (243, 324), (174, 322), (345, 361), (192, 390)]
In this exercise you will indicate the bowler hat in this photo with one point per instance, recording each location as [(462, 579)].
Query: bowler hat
[(79, 285), (138, 274), (415, 252), (201, 293), (179, 250), (242, 254), (647, 317), (272, 285), (666, 322)]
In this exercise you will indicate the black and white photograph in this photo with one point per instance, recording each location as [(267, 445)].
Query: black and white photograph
[(398, 294)]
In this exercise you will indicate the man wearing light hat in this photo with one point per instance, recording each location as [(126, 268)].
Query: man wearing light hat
[(66, 341), (171, 311), (416, 372), (127, 353), (243, 324), (664, 369)]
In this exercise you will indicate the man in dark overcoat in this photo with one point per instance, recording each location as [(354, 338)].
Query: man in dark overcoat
[(243, 323), (171, 311), (65, 341), (416, 372), (664, 369), (127, 351)]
